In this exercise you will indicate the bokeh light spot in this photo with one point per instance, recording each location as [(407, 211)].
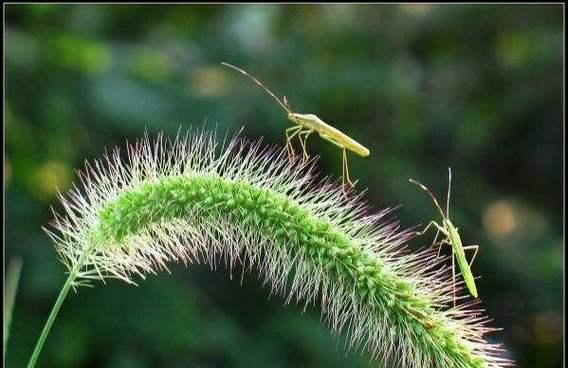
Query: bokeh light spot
[(500, 219), (88, 56), (153, 66), (7, 171), (548, 328), (209, 81), (50, 177), (512, 49), (251, 28)]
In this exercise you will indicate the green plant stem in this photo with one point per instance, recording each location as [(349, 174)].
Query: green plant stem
[(62, 294), (12, 280)]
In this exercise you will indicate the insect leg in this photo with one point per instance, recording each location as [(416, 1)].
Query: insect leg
[(436, 238), (329, 139), (430, 224), (343, 171), (445, 241), (438, 227), (346, 170), (290, 133), (305, 133), (476, 247), (454, 277)]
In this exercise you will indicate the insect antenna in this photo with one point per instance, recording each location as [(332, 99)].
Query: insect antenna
[(424, 188), (288, 110), (449, 189)]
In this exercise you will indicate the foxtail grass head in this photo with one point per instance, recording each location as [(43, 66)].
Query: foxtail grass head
[(194, 199)]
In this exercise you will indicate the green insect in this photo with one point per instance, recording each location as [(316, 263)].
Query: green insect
[(310, 123), (453, 239)]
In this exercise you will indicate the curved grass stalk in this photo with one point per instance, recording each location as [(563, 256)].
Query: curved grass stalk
[(12, 281), (71, 280), (194, 200)]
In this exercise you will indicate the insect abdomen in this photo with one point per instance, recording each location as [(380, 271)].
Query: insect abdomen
[(467, 276), (460, 256), (347, 142)]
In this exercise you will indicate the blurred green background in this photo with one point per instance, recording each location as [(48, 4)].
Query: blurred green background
[(474, 87)]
